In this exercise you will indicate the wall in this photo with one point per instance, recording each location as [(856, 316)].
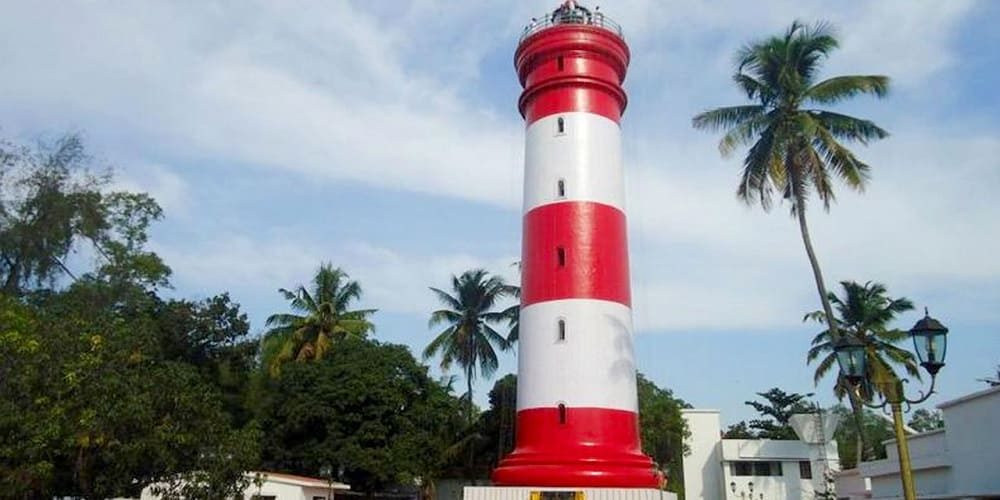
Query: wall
[(973, 440), (957, 461), (702, 469)]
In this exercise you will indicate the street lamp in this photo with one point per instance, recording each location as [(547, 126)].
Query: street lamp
[(931, 343)]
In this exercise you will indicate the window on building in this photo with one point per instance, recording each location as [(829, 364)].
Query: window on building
[(562, 413), (560, 125), (741, 468), (561, 188), (319, 498), (561, 256), (805, 470), (747, 468), (562, 330), (559, 63)]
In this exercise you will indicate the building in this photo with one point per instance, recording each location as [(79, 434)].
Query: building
[(278, 486), (577, 409), (757, 469), (961, 460)]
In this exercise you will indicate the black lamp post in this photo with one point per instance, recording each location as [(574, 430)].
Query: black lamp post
[(931, 343)]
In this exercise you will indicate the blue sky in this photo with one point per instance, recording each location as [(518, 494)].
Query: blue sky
[(384, 137)]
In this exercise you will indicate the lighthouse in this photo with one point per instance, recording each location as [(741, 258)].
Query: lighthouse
[(577, 411)]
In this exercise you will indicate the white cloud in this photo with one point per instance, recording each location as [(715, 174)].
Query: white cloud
[(386, 95), (169, 189)]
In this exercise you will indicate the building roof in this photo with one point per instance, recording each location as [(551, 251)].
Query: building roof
[(310, 482), (969, 397)]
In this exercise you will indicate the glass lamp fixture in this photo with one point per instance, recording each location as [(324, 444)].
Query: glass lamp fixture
[(930, 340)]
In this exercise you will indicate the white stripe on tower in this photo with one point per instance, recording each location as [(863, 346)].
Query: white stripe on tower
[(586, 155)]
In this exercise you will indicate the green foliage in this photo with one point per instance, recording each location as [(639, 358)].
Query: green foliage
[(366, 408), (92, 407), (104, 386), (212, 335), (874, 428), (795, 151), (864, 313), (924, 420), (51, 203), (321, 319), (739, 430), (777, 409), (469, 338), (664, 431)]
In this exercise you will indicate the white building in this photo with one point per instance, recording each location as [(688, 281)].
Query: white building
[(757, 469), (960, 461), (278, 486)]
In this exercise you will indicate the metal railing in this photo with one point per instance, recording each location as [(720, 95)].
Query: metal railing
[(576, 16)]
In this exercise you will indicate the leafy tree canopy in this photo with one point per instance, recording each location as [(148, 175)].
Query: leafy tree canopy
[(92, 408), (52, 202), (776, 409), (368, 409), (321, 317), (664, 430), (924, 420), (876, 429)]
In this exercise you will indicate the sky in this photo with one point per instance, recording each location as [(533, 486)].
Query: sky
[(383, 137)]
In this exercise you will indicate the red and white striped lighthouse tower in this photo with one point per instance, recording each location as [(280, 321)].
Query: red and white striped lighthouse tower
[(577, 415)]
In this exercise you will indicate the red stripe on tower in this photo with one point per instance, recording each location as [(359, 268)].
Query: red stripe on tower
[(574, 250), (577, 420)]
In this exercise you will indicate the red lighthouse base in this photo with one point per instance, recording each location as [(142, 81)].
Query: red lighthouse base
[(586, 447)]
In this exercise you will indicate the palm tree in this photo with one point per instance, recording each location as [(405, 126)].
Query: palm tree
[(469, 338), (795, 150), (320, 318), (863, 313)]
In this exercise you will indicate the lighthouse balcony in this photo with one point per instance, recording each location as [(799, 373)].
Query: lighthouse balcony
[(572, 13)]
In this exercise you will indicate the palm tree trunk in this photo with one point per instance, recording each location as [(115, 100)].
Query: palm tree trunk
[(859, 424), (800, 211), (468, 392)]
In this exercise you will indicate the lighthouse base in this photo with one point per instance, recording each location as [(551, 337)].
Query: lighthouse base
[(548, 493)]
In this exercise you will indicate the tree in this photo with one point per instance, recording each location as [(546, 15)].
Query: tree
[(469, 338), (875, 428), (663, 430), (366, 408), (777, 409), (91, 408), (924, 420), (51, 203), (321, 319), (213, 336), (739, 430), (864, 313), (796, 151)]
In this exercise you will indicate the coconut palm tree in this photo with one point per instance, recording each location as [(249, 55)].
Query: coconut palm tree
[(469, 339), (796, 150), (321, 317), (864, 313)]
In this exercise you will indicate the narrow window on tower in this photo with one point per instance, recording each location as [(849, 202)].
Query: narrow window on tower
[(562, 413), (561, 256), (559, 63), (560, 126), (561, 334), (561, 188)]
